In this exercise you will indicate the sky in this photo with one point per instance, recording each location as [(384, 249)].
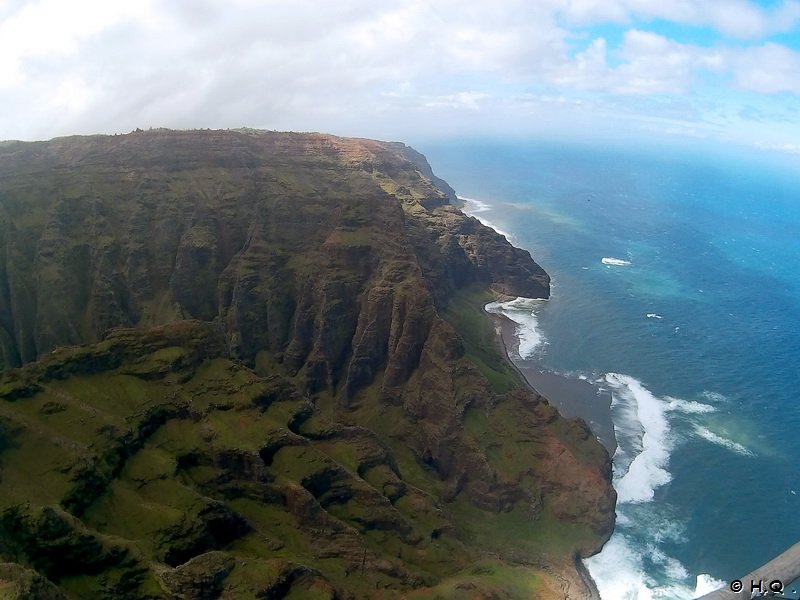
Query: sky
[(721, 70)]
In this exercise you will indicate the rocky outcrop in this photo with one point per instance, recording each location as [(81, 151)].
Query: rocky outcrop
[(284, 358)]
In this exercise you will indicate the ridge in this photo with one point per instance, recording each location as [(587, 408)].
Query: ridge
[(254, 363)]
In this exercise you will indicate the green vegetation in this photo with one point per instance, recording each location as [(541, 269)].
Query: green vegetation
[(465, 311), (251, 365)]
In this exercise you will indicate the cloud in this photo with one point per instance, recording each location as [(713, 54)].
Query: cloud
[(470, 100), (767, 69), (648, 64), (653, 64), (788, 148), (276, 64), (737, 18), (356, 66), (49, 30)]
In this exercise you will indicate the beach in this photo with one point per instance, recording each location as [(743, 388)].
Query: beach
[(573, 397)]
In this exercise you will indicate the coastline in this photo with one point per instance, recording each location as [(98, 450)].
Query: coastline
[(573, 398), (665, 336)]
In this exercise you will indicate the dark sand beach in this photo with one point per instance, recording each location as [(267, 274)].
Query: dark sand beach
[(571, 396)]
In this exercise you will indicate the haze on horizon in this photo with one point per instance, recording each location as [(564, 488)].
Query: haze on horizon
[(719, 70)]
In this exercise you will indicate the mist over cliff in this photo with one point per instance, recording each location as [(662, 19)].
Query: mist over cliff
[(283, 377)]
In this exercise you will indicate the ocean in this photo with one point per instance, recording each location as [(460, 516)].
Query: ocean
[(676, 288)]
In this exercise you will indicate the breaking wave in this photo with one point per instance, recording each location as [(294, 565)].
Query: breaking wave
[(617, 262), (522, 311), (714, 438), (475, 208), (632, 565)]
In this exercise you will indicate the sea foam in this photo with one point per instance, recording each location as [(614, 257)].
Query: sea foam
[(623, 569), (616, 262), (633, 564), (621, 573), (523, 312), (714, 438), (648, 468), (688, 406), (475, 208)]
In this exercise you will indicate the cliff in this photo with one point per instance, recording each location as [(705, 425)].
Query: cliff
[(254, 364)]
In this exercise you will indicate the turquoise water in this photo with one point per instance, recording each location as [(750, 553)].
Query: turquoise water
[(695, 331)]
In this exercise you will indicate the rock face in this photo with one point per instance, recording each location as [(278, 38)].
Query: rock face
[(283, 334), (278, 237)]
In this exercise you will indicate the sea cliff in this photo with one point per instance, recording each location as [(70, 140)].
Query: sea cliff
[(255, 364)]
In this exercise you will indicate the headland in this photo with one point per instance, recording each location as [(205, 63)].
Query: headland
[(242, 363)]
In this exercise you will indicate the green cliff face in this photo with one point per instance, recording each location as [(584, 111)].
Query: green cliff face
[(285, 388)]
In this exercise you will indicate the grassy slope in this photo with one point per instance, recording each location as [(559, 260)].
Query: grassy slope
[(207, 450)]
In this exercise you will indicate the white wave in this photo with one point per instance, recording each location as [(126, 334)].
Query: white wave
[(633, 564), (688, 406), (628, 431), (473, 208), (647, 471), (618, 571), (707, 583), (672, 567), (653, 316), (640, 462), (623, 571), (712, 437), (523, 312), (617, 262)]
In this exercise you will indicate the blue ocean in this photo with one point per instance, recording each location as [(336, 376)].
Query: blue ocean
[(676, 287)]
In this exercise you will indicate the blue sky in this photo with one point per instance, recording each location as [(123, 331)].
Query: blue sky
[(718, 70)]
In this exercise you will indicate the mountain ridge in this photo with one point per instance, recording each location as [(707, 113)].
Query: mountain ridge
[(334, 277)]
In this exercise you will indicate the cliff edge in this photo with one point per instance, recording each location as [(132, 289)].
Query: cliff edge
[(251, 364)]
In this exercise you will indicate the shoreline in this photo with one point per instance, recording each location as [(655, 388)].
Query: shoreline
[(574, 398), (577, 398)]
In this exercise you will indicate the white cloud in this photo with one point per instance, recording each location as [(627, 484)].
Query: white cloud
[(738, 18), (767, 69), (587, 70), (50, 29), (654, 64), (787, 147), (89, 65), (279, 64), (649, 64)]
